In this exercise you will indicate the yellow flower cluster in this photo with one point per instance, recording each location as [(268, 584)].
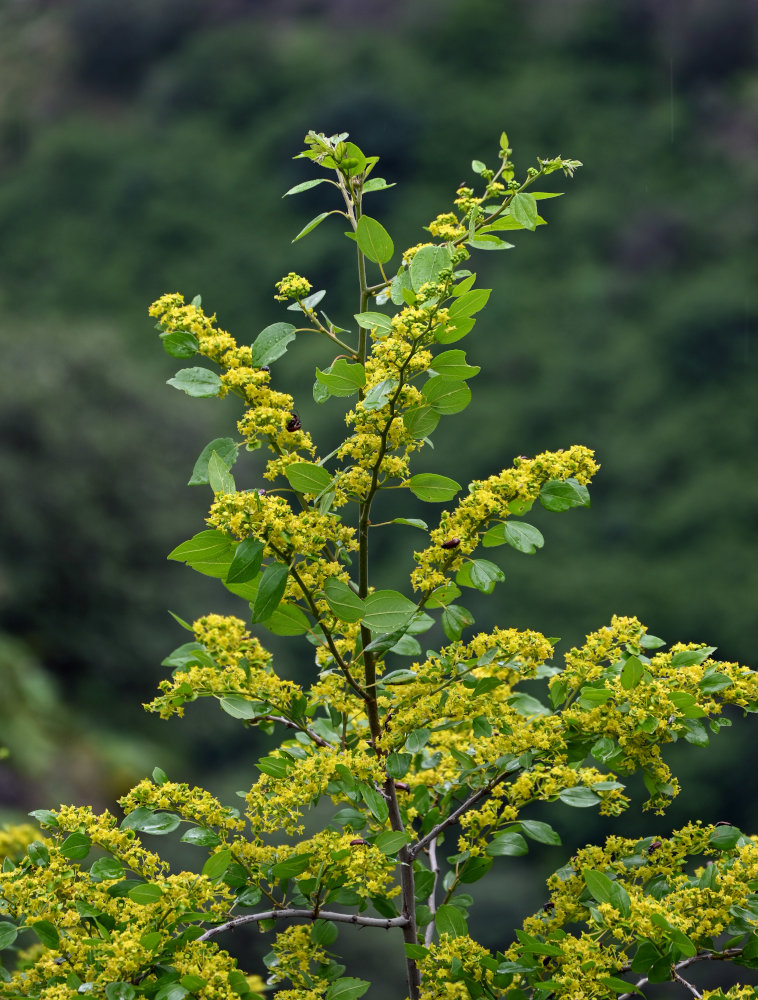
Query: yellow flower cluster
[(665, 903), (437, 981), (465, 199), (194, 804), (271, 520), (277, 803), (446, 227), (488, 500), (295, 954), (98, 936), (292, 286), (643, 715), (380, 446), (269, 415), (243, 668)]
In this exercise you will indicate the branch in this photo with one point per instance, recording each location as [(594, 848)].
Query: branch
[(319, 740), (432, 901), (703, 956), (293, 914), (415, 849)]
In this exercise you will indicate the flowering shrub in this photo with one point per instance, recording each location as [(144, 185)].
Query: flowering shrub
[(415, 750)]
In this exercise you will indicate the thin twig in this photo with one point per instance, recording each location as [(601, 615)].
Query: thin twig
[(295, 914), (703, 956), (303, 729), (415, 849), (432, 901)]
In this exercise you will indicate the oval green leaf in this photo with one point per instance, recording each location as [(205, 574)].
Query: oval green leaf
[(433, 488), (271, 343), (307, 477), (387, 610), (270, 591), (374, 240), (198, 382), (343, 601)]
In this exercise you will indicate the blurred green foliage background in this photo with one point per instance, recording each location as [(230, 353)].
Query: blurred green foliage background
[(144, 148)]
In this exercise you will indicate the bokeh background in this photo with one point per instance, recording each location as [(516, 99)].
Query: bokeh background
[(144, 147)]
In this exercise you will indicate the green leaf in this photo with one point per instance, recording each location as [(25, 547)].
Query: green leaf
[(599, 885), (225, 448), (193, 983), (44, 817), (200, 837), (631, 673), (421, 421), (725, 838), (342, 378), (401, 676), (306, 477), (47, 933), (171, 991), (522, 536), (374, 321), (523, 209), (180, 343), (270, 591), (8, 934), (374, 240), (619, 985), (428, 264), (391, 841), (453, 364), (560, 495), (507, 845), (379, 394), (158, 823), (309, 227), (145, 893), (76, 846), (432, 488), (398, 764), (343, 601), (217, 864), (238, 707), (454, 620), (324, 932), (446, 395), (414, 522), (527, 705), (271, 343), (274, 767), (486, 241), (38, 853), (449, 920), (291, 867), (347, 988), (480, 574), (387, 610), (220, 478), (691, 657), (376, 184), (305, 186), (198, 382), (468, 303), (543, 833), (417, 740), (106, 870), (579, 797), (288, 619), (714, 682), (246, 561), (209, 552), (120, 991)]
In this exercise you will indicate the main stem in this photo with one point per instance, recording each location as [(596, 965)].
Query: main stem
[(407, 884)]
